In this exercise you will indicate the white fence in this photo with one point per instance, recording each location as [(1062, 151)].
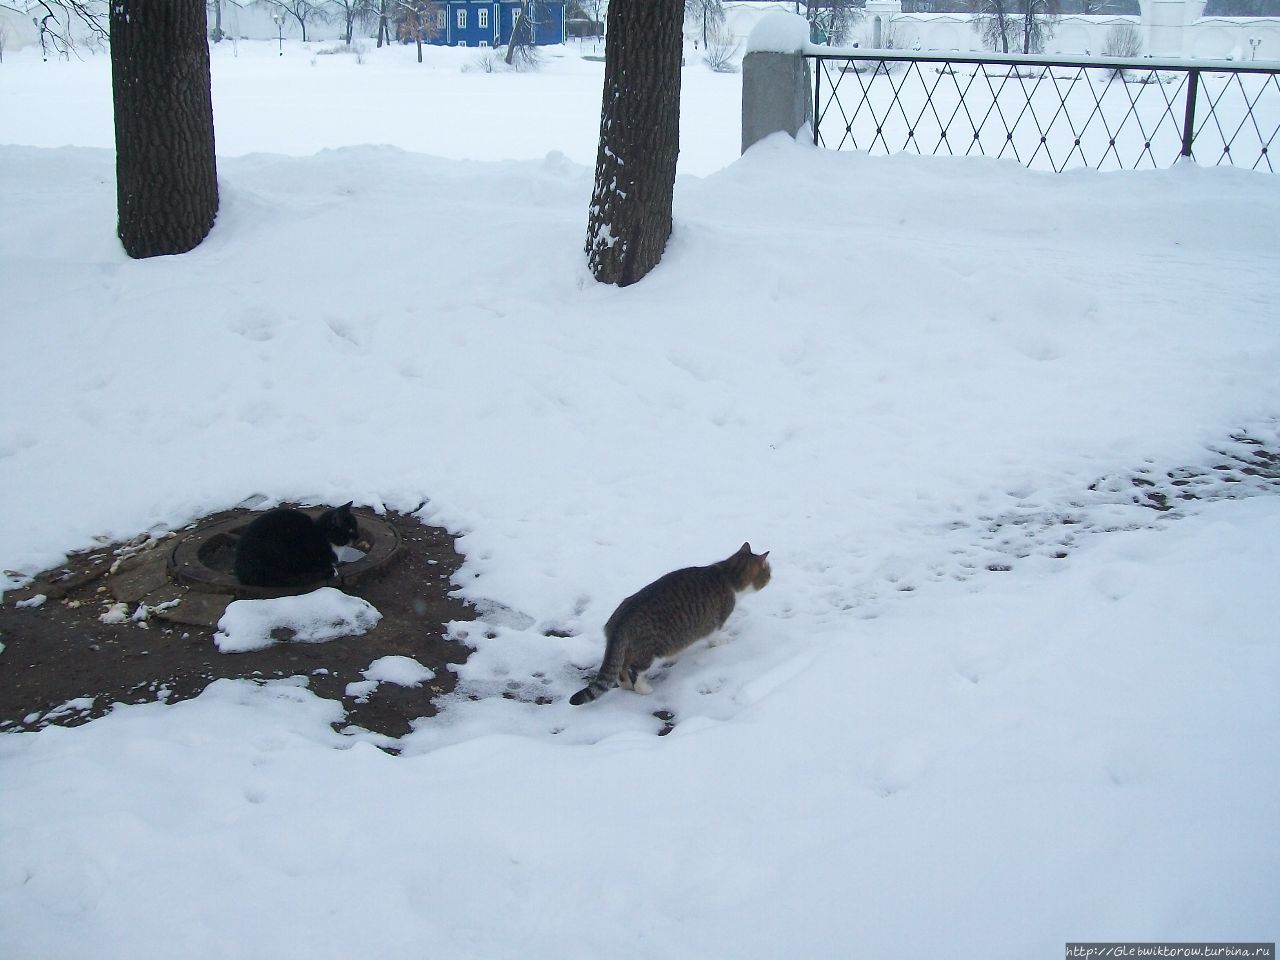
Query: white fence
[(1180, 31)]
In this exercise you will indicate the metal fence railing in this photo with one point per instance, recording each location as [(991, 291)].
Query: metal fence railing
[(1049, 112)]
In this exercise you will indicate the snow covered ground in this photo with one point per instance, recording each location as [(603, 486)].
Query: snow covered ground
[(981, 710)]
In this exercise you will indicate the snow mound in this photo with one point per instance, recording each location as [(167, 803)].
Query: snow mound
[(403, 671), (779, 32), (324, 614)]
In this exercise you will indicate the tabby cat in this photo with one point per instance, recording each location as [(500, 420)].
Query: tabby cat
[(669, 615), (286, 548)]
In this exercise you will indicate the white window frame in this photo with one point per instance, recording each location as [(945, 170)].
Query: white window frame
[(462, 18), (482, 18)]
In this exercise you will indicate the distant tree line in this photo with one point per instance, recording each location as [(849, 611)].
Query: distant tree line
[(823, 12), (1087, 7), (1242, 8)]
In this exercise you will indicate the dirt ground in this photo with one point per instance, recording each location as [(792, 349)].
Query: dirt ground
[(62, 652)]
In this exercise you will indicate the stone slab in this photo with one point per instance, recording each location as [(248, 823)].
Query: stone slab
[(195, 609), (140, 577)]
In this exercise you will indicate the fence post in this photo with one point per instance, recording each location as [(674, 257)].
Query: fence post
[(1189, 119), (817, 99), (776, 92)]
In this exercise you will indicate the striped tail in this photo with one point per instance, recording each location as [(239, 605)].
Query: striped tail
[(606, 677), (597, 688)]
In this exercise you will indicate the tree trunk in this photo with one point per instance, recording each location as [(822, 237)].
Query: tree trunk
[(630, 217), (166, 176), (382, 23), (517, 25), (217, 20)]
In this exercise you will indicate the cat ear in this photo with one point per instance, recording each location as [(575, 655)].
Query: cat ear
[(347, 505), (745, 548)]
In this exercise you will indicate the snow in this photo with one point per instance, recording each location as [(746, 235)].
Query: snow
[(307, 101), (400, 670), (779, 32), (988, 703), (316, 617), (361, 690), (115, 613)]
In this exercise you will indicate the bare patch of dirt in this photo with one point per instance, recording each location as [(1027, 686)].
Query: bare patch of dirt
[(63, 664)]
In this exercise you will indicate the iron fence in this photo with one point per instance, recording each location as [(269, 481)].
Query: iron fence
[(1047, 112)]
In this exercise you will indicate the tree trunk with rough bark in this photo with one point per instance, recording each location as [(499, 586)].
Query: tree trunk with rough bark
[(166, 176), (630, 217), (519, 25)]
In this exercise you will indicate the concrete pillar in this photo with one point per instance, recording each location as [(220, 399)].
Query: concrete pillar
[(777, 91), (881, 13), (1164, 24)]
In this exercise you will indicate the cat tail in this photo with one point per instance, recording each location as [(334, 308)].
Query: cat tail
[(606, 677)]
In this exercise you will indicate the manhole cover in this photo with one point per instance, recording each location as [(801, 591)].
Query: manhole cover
[(205, 558)]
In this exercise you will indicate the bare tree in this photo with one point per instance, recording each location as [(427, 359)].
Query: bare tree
[(630, 216), (4, 36), (1021, 26), (1123, 40), (835, 18), (996, 23), (59, 21), (166, 177), (419, 20), (215, 31), (709, 14), (522, 50), (720, 51), (303, 11), (1039, 18), (353, 12)]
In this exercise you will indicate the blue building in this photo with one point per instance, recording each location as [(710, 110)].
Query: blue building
[(488, 23)]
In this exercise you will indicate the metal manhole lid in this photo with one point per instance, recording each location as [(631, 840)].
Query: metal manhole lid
[(203, 559)]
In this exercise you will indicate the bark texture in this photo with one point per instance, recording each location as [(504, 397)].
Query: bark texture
[(521, 26), (166, 176), (630, 217)]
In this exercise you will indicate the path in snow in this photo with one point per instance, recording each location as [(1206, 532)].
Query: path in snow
[(1040, 528), (515, 683)]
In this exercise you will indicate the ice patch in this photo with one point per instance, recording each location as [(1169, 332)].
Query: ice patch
[(348, 554)]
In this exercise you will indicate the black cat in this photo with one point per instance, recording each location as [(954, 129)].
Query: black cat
[(286, 548)]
